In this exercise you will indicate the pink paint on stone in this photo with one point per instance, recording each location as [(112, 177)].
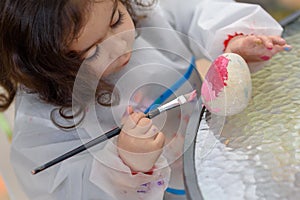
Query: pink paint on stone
[(215, 79)]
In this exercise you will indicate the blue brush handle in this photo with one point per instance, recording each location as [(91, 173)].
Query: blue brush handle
[(164, 96)]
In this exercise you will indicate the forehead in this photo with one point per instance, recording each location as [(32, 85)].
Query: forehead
[(97, 23)]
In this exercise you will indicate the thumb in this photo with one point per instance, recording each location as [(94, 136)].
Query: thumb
[(128, 111)]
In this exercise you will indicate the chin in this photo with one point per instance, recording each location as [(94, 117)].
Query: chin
[(118, 64)]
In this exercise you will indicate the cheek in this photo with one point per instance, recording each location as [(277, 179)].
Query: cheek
[(102, 70)]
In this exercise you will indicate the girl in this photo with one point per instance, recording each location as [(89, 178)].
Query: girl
[(75, 66)]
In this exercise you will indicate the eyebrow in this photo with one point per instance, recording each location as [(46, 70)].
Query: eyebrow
[(115, 6)]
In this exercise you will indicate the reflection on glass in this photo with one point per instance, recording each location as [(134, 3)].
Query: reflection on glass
[(257, 155)]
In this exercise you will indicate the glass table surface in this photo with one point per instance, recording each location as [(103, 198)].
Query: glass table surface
[(256, 155)]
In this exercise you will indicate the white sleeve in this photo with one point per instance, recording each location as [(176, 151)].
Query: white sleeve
[(110, 174), (36, 141), (66, 180), (209, 22)]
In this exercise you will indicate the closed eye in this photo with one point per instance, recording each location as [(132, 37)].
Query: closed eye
[(118, 22), (95, 55)]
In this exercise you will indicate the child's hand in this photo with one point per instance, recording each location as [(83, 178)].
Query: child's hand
[(257, 48), (139, 143)]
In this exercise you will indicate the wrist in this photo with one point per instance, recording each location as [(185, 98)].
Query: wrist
[(229, 41), (148, 172), (137, 163)]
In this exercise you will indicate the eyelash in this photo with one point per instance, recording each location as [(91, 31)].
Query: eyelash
[(120, 21), (95, 55)]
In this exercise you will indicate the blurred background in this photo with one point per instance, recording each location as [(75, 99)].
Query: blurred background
[(3, 192), (279, 9)]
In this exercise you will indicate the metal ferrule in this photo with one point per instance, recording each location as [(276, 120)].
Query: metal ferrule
[(153, 113), (172, 104)]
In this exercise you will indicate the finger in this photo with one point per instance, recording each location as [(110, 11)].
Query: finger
[(257, 41), (267, 41), (159, 140), (132, 120), (251, 41), (278, 48), (277, 40), (287, 47), (141, 129), (150, 133), (129, 110), (267, 55)]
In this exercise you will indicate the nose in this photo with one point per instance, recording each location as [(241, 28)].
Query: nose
[(115, 46)]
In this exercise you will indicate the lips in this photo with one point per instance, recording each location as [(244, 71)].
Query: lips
[(126, 58), (125, 63), (118, 64)]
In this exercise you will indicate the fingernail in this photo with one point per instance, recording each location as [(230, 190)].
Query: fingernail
[(287, 48), (128, 109), (265, 58), (282, 40)]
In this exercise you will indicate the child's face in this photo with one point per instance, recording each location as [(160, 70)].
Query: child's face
[(108, 36)]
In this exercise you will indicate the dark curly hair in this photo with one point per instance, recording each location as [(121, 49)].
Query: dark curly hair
[(34, 49)]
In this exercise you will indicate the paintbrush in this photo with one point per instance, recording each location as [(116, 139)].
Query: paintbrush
[(170, 105)]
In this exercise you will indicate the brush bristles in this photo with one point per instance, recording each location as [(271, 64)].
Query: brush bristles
[(191, 96)]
